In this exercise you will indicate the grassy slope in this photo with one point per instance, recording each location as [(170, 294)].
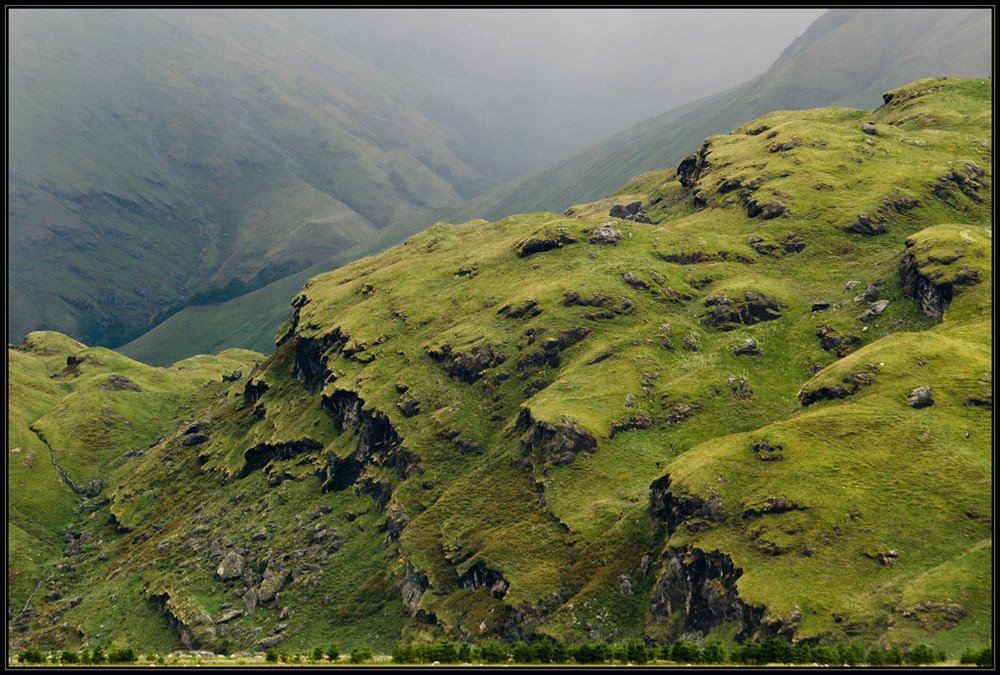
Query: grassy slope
[(562, 534), (76, 417)]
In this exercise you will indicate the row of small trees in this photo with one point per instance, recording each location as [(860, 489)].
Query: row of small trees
[(761, 652)]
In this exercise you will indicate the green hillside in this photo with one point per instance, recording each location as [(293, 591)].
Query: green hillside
[(747, 397)]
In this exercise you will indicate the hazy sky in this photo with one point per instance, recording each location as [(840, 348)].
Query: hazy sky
[(578, 75)]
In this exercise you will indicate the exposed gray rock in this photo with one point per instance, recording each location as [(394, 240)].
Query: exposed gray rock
[(231, 566), (747, 348), (921, 397), (624, 584), (869, 128), (874, 311), (605, 234)]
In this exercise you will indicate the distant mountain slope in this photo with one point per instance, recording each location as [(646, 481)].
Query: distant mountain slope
[(747, 397), (848, 57), (168, 157)]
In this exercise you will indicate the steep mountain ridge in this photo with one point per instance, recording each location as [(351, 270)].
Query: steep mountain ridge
[(748, 396)]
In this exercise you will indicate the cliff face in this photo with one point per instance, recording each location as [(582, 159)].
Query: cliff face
[(686, 419)]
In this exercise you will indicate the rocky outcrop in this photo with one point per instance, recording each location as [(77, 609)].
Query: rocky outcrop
[(527, 309), (413, 587), (921, 397), (544, 241), (310, 358), (868, 226), (968, 182), (932, 292), (727, 313), (839, 343), (558, 444), (480, 576), (605, 234), (631, 211), (852, 382), (637, 421), (693, 166), (468, 367), (675, 509), (747, 348), (258, 456), (548, 355), (700, 587)]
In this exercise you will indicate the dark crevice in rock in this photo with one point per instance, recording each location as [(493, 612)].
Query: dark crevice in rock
[(258, 456), (470, 366), (310, 358), (700, 586), (480, 576), (559, 444), (726, 313)]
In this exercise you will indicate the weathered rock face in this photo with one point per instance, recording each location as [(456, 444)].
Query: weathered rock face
[(545, 241), (605, 234), (468, 367), (378, 443), (548, 355), (413, 587), (258, 456), (631, 211), (852, 382), (231, 567), (968, 181), (310, 358), (934, 296), (558, 444), (692, 166), (480, 576), (921, 397), (674, 509), (867, 225), (727, 313), (839, 343), (701, 588)]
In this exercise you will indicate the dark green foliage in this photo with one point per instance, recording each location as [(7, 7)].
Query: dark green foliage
[(592, 652), (404, 654), (98, 655), (69, 657), (493, 651), (317, 654), (636, 652), (560, 653), (361, 654), (84, 655), (683, 651), (894, 657), (921, 655), (464, 653), (714, 652), (31, 655), (541, 651), (522, 653), (333, 652), (271, 655), (982, 658), (851, 655), (876, 656), (444, 651), (122, 655)]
